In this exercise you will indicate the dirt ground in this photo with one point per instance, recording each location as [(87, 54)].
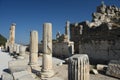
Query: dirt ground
[(62, 71)]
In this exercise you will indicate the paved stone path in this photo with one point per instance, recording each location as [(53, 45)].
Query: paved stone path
[(4, 58)]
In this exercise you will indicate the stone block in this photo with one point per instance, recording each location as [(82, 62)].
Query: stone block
[(113, 68), (18, 65), (63, 49), (94, 71), (53, 78), (6, 76), (22, 75), (101, 67), (19, 68)]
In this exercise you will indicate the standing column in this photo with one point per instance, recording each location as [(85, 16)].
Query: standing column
[(12, 34), (47, 70), (12, 38), (33, 59), (67, 29), (78, 67)]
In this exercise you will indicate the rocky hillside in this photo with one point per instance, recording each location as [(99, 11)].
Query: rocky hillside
[(2, 40)]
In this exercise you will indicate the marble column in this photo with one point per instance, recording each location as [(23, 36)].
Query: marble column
[(67, 29), (12, 34), (47, 70), (11, 49), (12, 38), (78, 67), (17, 49), (33, 59)]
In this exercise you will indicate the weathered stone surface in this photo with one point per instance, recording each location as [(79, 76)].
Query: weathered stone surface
[(33, 58), (27, 77), (6, 76), (101, 67), (94, 71), (63, 49), (22, 75), (11, 49), (107, 50), (6, 45), (17, 48), (12, 34), (105, 26), (14, 48), (18, 65), (113, 68), (53, 78), (22, 50), (47, 70), (67, 30), (78, 67)]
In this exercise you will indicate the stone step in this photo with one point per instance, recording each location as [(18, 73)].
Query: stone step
[(23, 75)]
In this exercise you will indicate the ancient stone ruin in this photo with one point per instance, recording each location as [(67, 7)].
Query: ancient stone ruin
[(47, 70), (80, 54), (78, 67), (101, 36)]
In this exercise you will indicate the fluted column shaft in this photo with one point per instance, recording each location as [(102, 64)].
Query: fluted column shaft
[(78, 67)]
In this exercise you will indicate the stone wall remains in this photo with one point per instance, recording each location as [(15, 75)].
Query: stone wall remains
[(101, 51)]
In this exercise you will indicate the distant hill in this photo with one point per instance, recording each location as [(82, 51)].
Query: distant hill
[(2, 40)]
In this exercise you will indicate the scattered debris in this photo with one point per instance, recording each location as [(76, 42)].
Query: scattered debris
[(94, 71), (101, 67), (113, 68)]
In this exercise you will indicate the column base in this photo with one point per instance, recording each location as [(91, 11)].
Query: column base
[(20, 57), (34, 64), (47, 74)]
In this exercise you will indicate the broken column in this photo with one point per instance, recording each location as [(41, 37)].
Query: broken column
[(47, 70), (11, 38), (33, 59), (67, 29), (78, 67), (12, 34), (17, 48), (22, 50)]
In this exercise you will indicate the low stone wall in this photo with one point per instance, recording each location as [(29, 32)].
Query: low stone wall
[(63, 49), (101, 51)]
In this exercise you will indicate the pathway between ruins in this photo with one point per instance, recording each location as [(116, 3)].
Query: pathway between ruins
[(4, 58)]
